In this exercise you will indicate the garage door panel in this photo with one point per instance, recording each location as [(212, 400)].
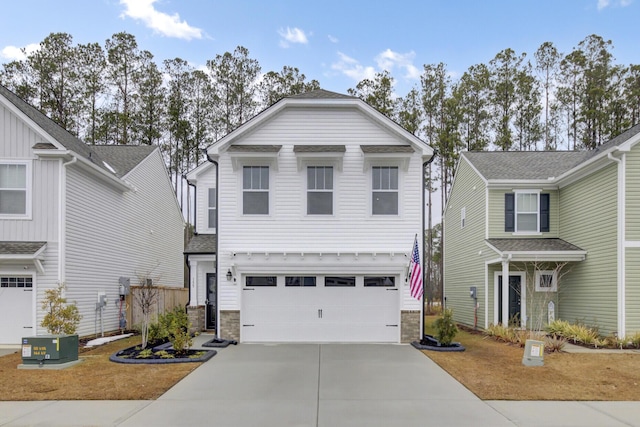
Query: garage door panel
[(320, 314), (16, 307)]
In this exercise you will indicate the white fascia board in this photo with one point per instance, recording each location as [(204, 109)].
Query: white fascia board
[(629, 143), (548, 256), (192, 175), (510, 184)]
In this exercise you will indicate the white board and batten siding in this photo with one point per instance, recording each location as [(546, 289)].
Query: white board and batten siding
[(112, 234), (279, 240)]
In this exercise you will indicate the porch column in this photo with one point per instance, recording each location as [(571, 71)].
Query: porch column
[(505, 292), (193, 282)]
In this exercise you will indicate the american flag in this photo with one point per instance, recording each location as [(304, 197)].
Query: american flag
[(415, 277)]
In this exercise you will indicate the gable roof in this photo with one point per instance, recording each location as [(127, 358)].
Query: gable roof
[(542, 165), (112, 161), (123, 158), (320, 99)]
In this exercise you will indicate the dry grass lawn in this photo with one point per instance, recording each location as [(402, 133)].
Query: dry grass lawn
[(491, 370), (494, 371), (96, 378)]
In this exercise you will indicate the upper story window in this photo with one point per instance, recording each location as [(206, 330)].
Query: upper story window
[(14, 189), (212, 210), (255, 190), (526, 212), (319, 190), (384, 190)]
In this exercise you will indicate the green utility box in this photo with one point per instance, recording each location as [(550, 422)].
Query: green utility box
[(49, 349)]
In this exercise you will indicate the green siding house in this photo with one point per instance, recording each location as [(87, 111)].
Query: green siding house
[(564, 227)]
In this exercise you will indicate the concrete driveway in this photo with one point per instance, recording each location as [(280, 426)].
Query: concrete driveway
[(318, 385)]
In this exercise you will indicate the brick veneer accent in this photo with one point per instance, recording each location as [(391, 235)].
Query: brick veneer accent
[(230, 324), (196, 318), (409, 326)]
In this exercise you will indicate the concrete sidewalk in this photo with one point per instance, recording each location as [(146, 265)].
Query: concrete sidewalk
[(319, 385)]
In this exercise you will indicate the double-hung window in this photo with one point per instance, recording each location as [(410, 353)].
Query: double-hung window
[(319, 190), (212, 210), (526, 212), (14, 189), (384, 190), (255, 190)]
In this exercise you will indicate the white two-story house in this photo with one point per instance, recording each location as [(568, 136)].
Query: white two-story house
[(305, 218), (84, 216)]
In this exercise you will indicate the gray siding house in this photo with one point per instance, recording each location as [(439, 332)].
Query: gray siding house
[(79, 215), (564, 227)]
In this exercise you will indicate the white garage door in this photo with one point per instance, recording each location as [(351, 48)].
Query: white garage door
[(320, 309), (16, 305)]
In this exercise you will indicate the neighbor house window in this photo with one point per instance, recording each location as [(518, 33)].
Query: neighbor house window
[(526, 212), (384, 190), (16, 282), (319, 190), (14, 189), (255, 194), (212, 209), (546, 281)]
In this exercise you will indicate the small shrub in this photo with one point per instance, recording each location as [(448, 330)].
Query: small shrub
[(176, 324), (635, 340), (61, 318), (164, 354), (554, 343), (145, 354), (446, 327)]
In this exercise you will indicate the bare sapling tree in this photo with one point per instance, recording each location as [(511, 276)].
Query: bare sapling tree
[(543, 280), (145, 298)]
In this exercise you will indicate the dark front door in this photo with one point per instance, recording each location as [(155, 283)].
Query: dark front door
[(212, 301), (515, 300)]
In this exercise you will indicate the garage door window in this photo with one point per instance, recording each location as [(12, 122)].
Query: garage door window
[(380, 281), (16, 282), (261, 281), (340, 281), (299, 281)]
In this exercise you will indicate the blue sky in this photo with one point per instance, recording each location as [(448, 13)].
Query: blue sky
[(337, 43)]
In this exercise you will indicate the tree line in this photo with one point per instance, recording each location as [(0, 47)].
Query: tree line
[(117, 93)]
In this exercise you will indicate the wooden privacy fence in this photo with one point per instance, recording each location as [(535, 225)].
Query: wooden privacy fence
[(166, 299)]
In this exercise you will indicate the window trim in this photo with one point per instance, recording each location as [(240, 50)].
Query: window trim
[(28, 189), (210, 208), (268, 190), (332, 190), (554, 280), (398, 190)]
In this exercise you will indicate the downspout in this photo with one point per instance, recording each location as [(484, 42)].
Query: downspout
[(62, 220), (217, 263), (621, 258), (424, 270), (186, 256)]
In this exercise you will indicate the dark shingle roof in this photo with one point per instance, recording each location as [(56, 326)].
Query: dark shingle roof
[(525, 164), (201, 244), (319, 149), (374, 149), (69, 141), (537, 164), (20, 248), (123, 158), (532, 245), (254, 148), (321, 94)]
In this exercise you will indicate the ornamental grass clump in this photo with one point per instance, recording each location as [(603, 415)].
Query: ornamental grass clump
[(446, 328)]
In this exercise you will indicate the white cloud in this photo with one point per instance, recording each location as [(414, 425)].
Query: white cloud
[(388, 60), (162, 23), (13, 53), (333, 39), (603, 4), (351, 68), (292, 35)]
